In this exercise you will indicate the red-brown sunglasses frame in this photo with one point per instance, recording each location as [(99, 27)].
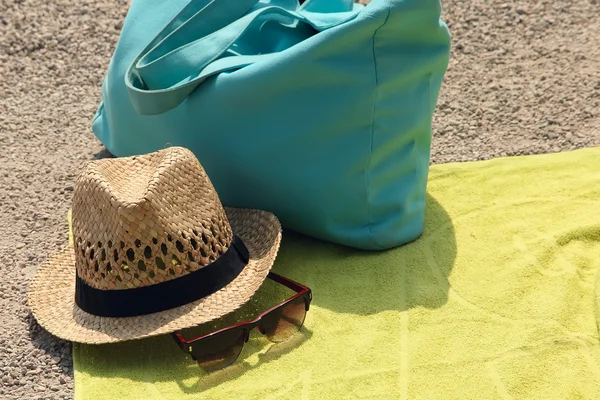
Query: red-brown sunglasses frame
[(301, 291)]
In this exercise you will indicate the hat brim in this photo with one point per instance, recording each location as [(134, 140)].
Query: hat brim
[(51, 294)]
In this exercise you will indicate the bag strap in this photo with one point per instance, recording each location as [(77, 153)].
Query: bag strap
[(192, 46)]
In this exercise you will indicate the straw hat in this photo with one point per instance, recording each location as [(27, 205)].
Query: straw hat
[(154, 251)]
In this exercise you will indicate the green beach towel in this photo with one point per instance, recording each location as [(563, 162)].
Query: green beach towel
[(497, 300)]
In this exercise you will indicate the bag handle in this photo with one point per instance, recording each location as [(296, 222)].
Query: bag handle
[(198, 18), (191, 47)]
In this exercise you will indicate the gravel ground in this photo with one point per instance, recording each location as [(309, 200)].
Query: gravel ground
[(523, 79)]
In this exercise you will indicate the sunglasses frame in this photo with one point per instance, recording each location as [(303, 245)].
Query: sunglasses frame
[(301, 291)]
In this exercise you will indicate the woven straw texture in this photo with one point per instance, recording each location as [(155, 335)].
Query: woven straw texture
[(142, 220)]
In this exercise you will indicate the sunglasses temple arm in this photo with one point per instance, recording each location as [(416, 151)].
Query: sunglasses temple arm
[(178, 339), (307, 303), (295, 286)]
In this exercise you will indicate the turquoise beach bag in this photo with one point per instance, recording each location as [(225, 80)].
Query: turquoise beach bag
[(319, 112)]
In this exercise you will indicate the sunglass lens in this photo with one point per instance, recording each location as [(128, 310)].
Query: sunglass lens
[(220, 350), (283, 322)]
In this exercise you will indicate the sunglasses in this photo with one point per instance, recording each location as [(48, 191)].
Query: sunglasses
[(221, 348)]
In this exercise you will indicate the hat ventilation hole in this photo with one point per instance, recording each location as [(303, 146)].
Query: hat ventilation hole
[(155, 240), (148, 252), (103, 255), (116, 255), (138, 243), (109, 244), (122, 245), (142, 265), (179, 246), (194, 243), (163, 249), (92, 254), (175, 261), (130, 254), (160, 264)]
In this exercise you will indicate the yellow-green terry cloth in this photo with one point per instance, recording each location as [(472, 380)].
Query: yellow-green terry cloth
[(497, 300)]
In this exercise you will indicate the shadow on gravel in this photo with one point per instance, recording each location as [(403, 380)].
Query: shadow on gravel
[(103, 154), (59, 350)]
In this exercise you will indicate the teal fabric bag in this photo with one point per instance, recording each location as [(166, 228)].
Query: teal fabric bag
[(319, 112)]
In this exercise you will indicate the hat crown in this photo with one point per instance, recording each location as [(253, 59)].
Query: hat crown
[(142, 220)]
